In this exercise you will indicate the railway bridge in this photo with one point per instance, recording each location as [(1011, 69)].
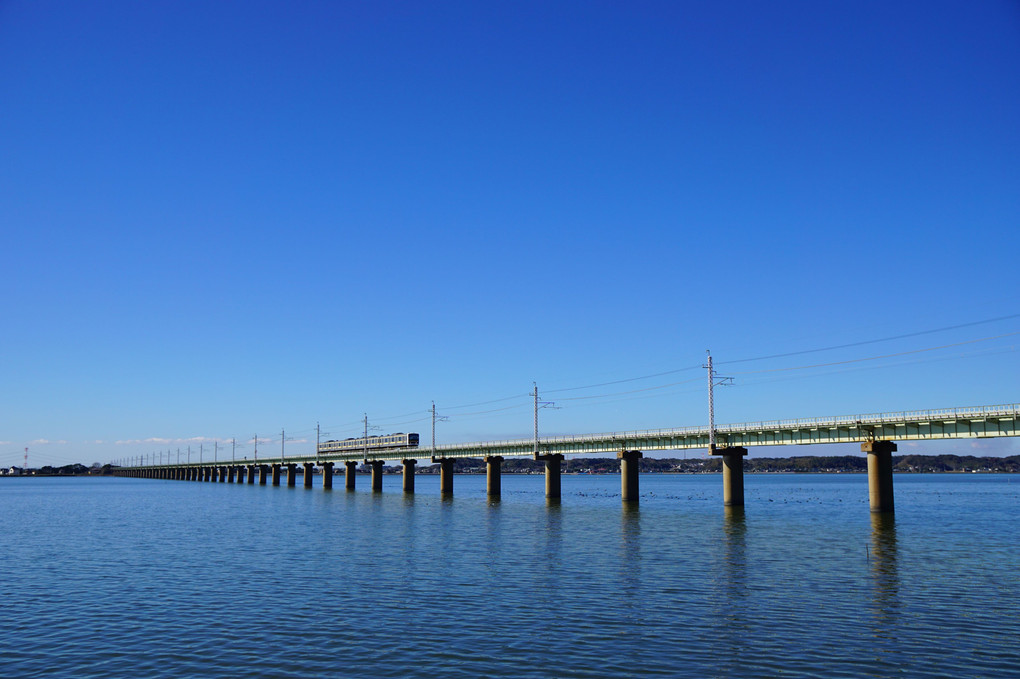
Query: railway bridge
[(876, 433)]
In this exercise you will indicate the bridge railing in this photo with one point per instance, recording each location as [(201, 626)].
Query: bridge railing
[(1010, 410), (843, 421)]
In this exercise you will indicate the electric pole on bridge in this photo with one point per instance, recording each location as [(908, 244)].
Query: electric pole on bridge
[(539, 404), (441, 418), (732, 456), (714, 380), (365, 439)]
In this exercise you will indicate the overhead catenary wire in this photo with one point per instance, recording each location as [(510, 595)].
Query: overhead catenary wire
[(874, 358), (882, 366), (397, 420), (872, 341)]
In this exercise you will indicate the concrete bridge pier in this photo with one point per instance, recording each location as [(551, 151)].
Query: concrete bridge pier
[(445, 474), (263, 474), (309, 469), (351, 474), (241, 470), (251, 474), (732, 474), (214, 474), (291, 474), (494, 476), (223, 474), (553, 465), (409, 475), (327, 476), (376, 475), (629, 463), (276, 474), (880, 483), (231, 473)]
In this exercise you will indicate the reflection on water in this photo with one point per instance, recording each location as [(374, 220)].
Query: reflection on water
[(734, 613), (734, 557), (882, 563), (673, 587), (630, 532), (631, 590)]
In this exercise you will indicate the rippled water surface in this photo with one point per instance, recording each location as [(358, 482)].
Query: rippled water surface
[(145, 578)]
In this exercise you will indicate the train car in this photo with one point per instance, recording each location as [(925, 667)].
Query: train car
[(373, 443)]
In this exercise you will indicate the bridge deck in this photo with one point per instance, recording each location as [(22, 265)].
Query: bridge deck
[(924, 425)]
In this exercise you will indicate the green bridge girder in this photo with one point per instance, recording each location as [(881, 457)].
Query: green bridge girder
[(921, 425)]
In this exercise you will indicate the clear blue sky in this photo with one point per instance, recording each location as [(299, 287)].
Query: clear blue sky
[(232, 218)]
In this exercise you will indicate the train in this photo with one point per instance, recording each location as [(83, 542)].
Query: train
[(398, 440)]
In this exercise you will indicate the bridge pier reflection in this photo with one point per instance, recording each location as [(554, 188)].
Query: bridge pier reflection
[(883, 563)]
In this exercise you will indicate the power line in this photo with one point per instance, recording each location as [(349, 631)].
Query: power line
[(632, 391), (629, 379), (937, 359), (874, 341), (875, 358)]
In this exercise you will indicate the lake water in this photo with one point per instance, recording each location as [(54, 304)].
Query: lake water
[(136, 578)]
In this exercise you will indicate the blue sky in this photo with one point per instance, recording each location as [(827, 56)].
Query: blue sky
[(236, 218)]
